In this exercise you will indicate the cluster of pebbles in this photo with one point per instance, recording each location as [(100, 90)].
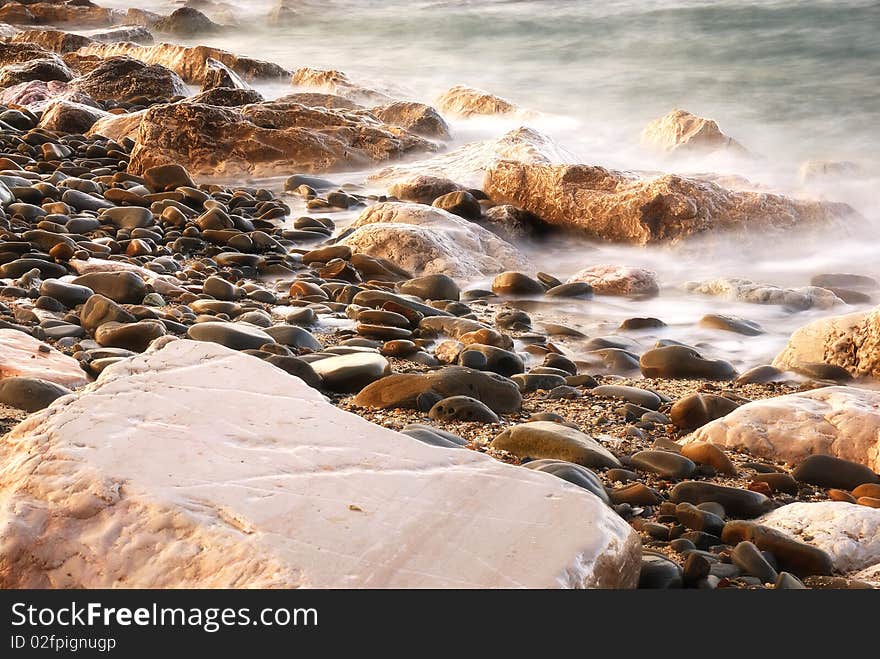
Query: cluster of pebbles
[(100, 263)]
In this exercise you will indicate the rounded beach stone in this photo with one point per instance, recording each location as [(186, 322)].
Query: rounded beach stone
[(736, 501), (29, 394), (120, 286), (573, 473), (352, 372), (696, 409), (516, 283), (664, 463), (683, 362), (232, 335), (828, 471), (791, 555), (130, 336), (462, 408), (641, 397), (544, 439)]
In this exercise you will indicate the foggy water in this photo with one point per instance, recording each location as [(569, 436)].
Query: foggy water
[(790, 80)]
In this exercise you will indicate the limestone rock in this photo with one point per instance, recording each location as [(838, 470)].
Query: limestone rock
[(55, 40), (337, 82), (624, 280), (118, 126), (467, 164), (239, 475), (21, 355), (466, 102), (189, 62), (418, 118), (851, 341), (840, 421), (186, 22), (848, 532), (69, 117), (265, 138), (745, 290), (424, 240), (681, 131), (319, 100), (627, 208)]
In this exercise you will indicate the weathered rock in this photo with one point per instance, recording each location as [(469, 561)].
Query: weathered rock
[(465, 101), (186, 22), (337, 82), (418, 118), (425, 240), (467, 164), (35, 95), (265, 138), (125, 78), (54, 40), (545, 439), (828, 170), (68, 117), (730, 324), (189, 518), (320, 100), (635, 395), (189, 62), (29, 394), (625, 280), (38, 69), (851, 342), (403, 389), (681, 131), (217, 74), (838, 421), (118, 126), (21, 355), (744, 290), (626, 208)]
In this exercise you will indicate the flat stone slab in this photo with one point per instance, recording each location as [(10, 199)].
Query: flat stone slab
[(23, 355), (193, 465)]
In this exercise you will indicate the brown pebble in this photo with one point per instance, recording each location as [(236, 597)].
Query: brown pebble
[(871, 502), (867, 490), (841, 495), (706, 453)]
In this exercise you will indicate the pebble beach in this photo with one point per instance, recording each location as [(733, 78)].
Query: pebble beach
[(277, 316)]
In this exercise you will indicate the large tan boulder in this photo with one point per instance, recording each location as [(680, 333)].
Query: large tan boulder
[(265, 139), (746, 290), (189, 62), (843, 422), (21, 355), (122, 78), (463, 101), (424, 240), (627, 208), (681, 131), (467, 164), (238, 475), (851, 341)]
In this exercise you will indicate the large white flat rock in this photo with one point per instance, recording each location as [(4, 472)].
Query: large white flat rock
[(193, 465)]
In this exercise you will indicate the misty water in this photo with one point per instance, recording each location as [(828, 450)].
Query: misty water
[(792, 81)]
